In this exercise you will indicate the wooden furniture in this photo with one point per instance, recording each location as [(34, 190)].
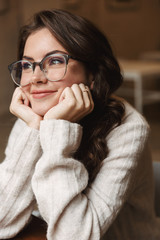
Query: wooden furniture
[(36, 230), (138, 72)]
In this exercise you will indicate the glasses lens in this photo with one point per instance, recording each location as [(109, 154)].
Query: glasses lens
[(54, 67), (21, 72)]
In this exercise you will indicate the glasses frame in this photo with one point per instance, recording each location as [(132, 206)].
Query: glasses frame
[(40, 64)]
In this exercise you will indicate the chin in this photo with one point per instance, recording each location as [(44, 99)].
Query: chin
[(42, 108), (39, 111)]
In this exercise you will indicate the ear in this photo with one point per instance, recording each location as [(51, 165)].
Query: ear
[(91, 85), (91, 81)]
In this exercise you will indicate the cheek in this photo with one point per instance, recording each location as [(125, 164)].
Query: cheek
[(75, 78), (76, 73)]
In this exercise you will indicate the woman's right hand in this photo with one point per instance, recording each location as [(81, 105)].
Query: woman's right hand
[(20, 108)]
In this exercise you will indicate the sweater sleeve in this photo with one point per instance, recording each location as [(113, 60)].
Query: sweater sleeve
[(72, 209), (16, 196)]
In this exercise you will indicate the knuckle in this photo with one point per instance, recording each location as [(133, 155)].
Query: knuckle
[(81, 85), (67, 89), (74, 86)]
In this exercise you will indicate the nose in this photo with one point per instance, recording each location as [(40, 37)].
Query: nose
[(38, 76)]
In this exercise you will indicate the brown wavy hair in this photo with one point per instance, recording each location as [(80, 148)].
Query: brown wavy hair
[(83, 40)]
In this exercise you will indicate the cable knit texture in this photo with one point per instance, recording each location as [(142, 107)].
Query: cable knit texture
[(39, 167)]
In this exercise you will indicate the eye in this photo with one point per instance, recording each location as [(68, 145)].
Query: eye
[(55, 60), (25, 65)]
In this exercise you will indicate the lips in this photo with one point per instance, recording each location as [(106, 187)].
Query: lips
[(38, 94)]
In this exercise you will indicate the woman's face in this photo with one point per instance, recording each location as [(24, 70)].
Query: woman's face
[(44, 94)]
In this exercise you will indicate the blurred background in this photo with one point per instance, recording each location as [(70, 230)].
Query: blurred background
[(133, 28)]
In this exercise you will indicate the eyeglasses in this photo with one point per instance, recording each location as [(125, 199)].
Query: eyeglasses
[(53, 66)]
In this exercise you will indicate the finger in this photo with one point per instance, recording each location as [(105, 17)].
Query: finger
[(87, 96), (19, 101), (88, 104), (25, 99), (19, 107), (16, 100), (67, 93), (82, 98), (68, 96), (77, 93), (15, 97), (18, 95), (72, 99)]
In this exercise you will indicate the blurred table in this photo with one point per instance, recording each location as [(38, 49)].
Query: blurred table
[(36, 230), (138, 72)]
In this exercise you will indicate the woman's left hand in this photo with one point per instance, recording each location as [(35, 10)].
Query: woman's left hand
[(75, 102)]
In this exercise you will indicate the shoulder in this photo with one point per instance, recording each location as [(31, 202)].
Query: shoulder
[(132, 116)]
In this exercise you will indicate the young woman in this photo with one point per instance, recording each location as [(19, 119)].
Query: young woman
[(77, 152)]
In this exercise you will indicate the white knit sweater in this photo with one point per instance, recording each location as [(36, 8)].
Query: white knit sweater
[(39, 168)]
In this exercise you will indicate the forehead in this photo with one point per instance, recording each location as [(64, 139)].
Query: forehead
[(39, 43)]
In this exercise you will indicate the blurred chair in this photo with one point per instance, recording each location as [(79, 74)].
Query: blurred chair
[(156, 169)]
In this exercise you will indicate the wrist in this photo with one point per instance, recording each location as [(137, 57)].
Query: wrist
[(35, 123)]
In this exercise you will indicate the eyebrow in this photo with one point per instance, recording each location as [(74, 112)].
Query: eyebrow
[(47, 54)]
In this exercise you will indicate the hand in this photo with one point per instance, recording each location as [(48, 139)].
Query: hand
[(21, 109), (75, 102)]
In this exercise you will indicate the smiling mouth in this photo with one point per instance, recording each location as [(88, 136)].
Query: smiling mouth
[(42, 94)]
